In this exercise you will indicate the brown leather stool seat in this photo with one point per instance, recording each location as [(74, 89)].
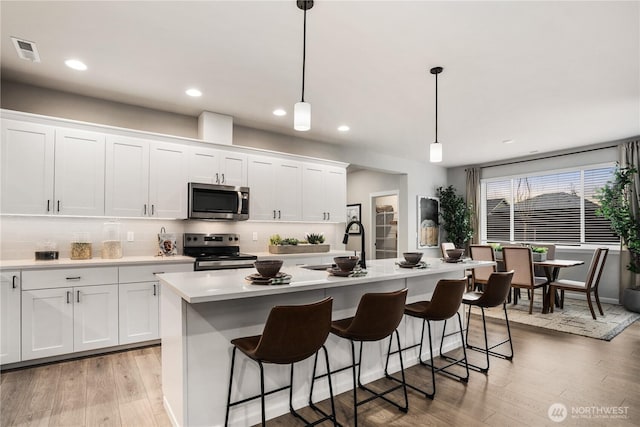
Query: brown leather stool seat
[(443, 305), (377, 317), (291, 334), (496, 291)]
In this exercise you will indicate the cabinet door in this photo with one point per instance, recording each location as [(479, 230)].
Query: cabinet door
[(127, 177), (262, 184), (139, 304), (79, 173), (9, 317), (168, 180), (313, 193), (233, 169), (95, 317), (47, 322), (336, 194), (203, 166), (27, 168), (289, 191)]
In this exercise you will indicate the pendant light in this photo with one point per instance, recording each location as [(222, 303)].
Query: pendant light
[(435, 148), (302, 110)]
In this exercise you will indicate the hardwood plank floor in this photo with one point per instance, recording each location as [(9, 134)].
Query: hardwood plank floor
[(124, 389)]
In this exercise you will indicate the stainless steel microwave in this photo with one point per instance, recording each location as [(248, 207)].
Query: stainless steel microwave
[(218, 202)]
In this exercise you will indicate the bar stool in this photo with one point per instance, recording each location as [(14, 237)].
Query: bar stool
[(291, 334), (377, 317), (495, 293), (443, 305)]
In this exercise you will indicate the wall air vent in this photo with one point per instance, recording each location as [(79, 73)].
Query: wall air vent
[(26, 50)]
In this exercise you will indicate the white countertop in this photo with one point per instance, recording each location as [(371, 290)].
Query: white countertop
[(24, 264), (220, 285)]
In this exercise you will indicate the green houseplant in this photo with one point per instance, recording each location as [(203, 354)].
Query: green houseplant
[(456, 216), (616, 206)]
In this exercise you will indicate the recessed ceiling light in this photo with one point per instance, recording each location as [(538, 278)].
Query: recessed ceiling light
[(75, 64), (343, 128), (279, 112), (193, 92), (508, 141)]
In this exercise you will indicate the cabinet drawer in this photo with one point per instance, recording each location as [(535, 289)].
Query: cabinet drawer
[(67, 277), (146, 273)]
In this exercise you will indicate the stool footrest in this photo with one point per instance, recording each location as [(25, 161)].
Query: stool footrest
[(413, 387)]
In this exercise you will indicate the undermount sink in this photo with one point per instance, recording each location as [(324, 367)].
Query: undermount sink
[(319, 267)]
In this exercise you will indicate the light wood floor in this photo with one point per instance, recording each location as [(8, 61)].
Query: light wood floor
[(549, 367)]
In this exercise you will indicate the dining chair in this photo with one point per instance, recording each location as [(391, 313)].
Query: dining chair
[(480, 275), (587, 287), (519, 259)]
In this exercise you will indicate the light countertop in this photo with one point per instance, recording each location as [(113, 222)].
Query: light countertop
[(25, 264), (220, 285)]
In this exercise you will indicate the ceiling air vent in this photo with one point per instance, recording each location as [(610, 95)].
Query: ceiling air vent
[(26, 50)]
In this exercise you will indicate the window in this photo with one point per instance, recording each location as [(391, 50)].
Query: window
[(553, 207)]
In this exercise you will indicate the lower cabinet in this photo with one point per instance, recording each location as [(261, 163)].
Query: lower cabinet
[(63, 320), (10, 290), (139, 312)]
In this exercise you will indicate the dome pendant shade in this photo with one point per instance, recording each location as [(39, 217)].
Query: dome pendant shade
[(435, 152), (302, 116)]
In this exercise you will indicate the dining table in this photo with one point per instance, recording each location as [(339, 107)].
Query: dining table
[(551, 269)]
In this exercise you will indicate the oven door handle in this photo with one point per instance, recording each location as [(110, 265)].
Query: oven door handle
[(239, 202)]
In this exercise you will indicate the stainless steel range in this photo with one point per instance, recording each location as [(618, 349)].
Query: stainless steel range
[(216, 251)]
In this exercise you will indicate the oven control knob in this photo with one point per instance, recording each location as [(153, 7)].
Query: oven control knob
[(236, 238), (230, 238), (188, 239)]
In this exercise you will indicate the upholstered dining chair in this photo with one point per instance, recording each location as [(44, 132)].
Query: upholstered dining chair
[(588, 287), (520, 260), (480, 275)]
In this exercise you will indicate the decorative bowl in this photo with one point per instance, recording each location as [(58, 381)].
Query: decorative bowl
[(412, 257), (455, 253), (346, 263), (268, 267)]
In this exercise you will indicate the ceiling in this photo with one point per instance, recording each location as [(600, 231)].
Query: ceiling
[(547, 75)]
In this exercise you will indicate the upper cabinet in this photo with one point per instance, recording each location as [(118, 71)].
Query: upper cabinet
[(48, 170), (275, 189), (211, 166), (145, 178), (324, 193)]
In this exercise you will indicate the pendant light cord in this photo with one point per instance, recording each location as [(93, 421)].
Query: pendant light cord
[(436, 108), (304, 50)]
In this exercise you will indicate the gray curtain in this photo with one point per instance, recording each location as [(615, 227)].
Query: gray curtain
[(473, 200), (630, 156)]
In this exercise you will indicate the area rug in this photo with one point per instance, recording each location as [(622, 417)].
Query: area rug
[(575, 318)]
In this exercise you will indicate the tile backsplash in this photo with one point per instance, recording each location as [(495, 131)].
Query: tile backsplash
[(20, 235)]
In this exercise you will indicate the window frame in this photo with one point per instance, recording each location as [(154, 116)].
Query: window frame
[(513, 177)]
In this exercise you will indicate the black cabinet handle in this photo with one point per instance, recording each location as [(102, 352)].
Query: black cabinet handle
[(157, 272), (78, 295), (13, 281), (329, 216), (274, 214), (154, 290), (217, 178), (58, 205), (279, 216), (324, 216), (145, 208), (48, 205), (153, 210), (68, 297), (223, 178), (74, 278)]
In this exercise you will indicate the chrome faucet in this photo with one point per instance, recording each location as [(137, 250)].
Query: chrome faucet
[(345, 240)]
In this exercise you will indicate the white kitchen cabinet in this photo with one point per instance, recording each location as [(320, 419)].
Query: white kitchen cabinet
[(276, 189), (10, 290), (145, 179), (95, 317), (168, 180), (48, 170), (324, 194), (68, 309), (140, 300), (211, 166), (47, 322)]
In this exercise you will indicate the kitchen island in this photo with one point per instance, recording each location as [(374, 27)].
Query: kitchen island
[(203, 311)]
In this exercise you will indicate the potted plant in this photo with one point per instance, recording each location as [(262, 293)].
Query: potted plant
[(616, 205), (456, 217), (291, 245), (539, 254)]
